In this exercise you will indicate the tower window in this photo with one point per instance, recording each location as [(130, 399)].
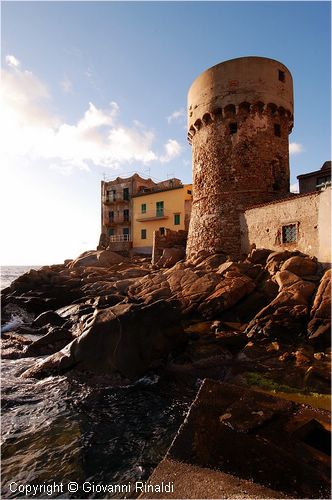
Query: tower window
[(233, 128), (277, 130), (281, 75)]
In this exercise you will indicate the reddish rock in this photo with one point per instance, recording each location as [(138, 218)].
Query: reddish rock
[(97, 258), (319, 326), (228, 293), (301, 266)]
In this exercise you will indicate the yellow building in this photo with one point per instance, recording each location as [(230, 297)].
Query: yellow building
[(159, 210)]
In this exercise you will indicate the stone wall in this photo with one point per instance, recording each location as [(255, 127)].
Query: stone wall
[(239, 116), (261, 226), (170, 239)]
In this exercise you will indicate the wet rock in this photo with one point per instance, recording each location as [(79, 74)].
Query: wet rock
[(13, 345), (301, 266), (48, 317), (53, 341), (127, 339)]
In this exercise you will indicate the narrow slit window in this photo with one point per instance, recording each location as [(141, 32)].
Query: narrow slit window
[(233, 128), (281, 75), (277, 130), (143, 234)]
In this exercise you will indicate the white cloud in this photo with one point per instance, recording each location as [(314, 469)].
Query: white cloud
[(295, 148), (12, 61), (176, 115), (66, 85), (173, 149), (31, 130), (294, 188)]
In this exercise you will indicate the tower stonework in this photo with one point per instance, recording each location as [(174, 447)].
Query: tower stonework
[(240, 113)]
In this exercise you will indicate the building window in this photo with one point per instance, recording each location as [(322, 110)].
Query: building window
[(162, 230), (111, 231), (125, 232), (126, 194), (281, 75), (159, 208), (233, 128), (176, 219), (188, 191), (143, 208), (126, 215), (111, 195), (289, 233), (143, 234), (277, 130), (111, 216)]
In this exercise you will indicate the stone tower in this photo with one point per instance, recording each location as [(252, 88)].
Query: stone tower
[(240, 113)]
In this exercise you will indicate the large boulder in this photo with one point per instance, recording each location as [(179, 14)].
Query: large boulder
[(276, 259), (319, 326), (126, 339), (197, 291), (227, 293), (301, 266), (286, 316), (258, 255), (171, 256), (97, 258)]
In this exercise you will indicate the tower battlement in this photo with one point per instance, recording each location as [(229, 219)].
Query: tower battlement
[(240, 113)]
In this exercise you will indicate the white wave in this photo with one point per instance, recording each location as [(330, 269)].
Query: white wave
[(14, 322)]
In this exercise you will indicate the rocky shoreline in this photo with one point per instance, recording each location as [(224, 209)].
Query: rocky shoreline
[(105, 315)]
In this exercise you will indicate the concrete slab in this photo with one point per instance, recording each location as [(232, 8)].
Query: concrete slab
[(237, 442), (191, 481)]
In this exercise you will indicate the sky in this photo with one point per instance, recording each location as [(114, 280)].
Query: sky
[(93, 90)]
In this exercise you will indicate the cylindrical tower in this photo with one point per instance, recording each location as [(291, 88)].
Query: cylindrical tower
[(240, 113)]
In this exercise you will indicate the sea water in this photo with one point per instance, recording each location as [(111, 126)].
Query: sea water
[(59, 431)]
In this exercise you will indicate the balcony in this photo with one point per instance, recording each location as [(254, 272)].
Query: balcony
[(119, 238), (153, 215), (117, 221), (117, 198)]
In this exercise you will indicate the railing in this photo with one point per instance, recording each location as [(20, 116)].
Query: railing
[(119, 238), (114, 198), (117, 220), (153, 214), (323, 185)]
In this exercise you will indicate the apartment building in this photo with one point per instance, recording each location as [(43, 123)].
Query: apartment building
[(161, 208), (117, 221)]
